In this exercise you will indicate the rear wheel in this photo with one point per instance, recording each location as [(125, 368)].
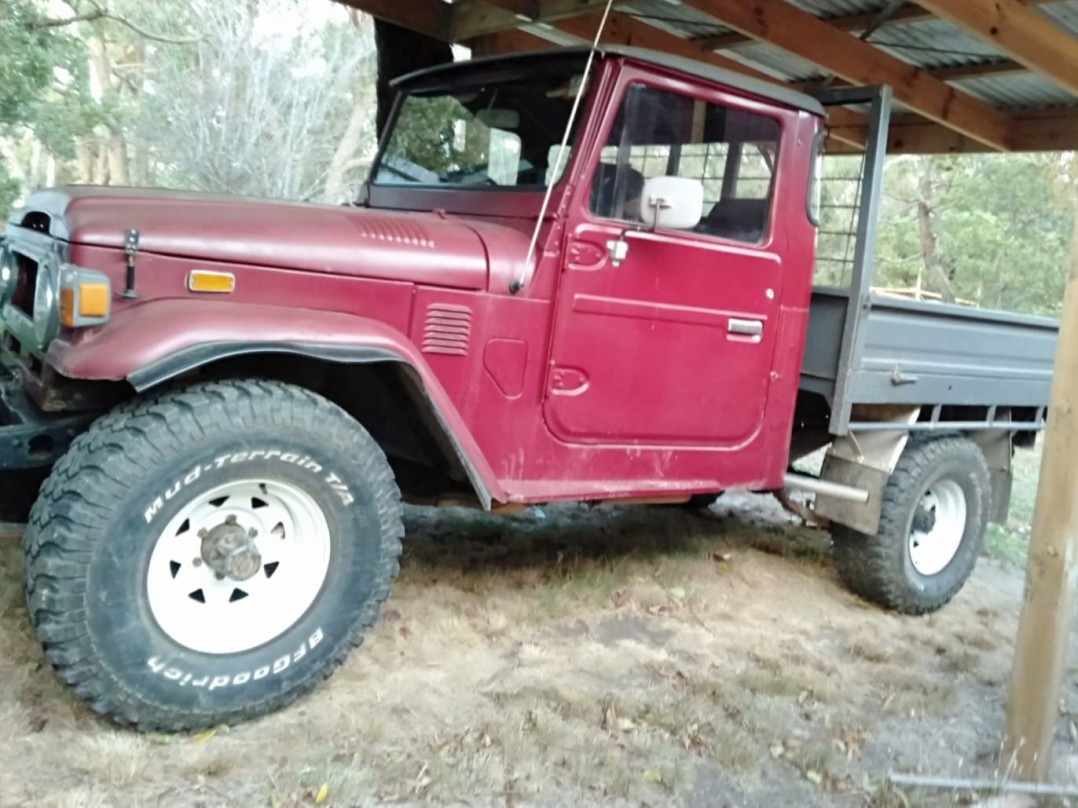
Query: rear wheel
[(932, 524), (208, 555)]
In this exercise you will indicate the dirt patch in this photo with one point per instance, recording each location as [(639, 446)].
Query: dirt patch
[(573, 657)]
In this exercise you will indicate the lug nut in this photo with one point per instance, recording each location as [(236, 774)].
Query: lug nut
[(202, 533), (230, 519), (252, 533), (197, 562)]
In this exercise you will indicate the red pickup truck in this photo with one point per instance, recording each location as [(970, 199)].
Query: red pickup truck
[(556, 286)]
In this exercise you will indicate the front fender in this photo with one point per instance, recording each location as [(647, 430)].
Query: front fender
[(159, 340)]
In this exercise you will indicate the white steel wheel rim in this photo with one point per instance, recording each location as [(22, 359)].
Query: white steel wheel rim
[(933, 549), (199, 609)]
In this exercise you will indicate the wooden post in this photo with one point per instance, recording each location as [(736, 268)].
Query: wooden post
[(1040, 650)]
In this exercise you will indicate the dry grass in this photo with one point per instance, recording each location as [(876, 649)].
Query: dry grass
[(620, 656)]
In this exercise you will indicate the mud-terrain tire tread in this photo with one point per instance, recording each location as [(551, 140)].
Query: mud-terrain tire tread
[(872, 566), (84, 483)]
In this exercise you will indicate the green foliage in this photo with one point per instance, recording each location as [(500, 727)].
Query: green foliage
[(999, 225), (1002, 230), (26, 59), (9, 192)]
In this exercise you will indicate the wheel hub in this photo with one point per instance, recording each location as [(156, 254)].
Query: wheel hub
[(924, 519), (229, 550), (238, 565)]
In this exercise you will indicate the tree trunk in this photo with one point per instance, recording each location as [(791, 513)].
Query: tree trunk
[(101, 166), (85, 153), (927, 233), (344, 156), (117, 157)]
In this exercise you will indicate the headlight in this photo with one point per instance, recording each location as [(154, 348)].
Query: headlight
[(47, 301), (8, 274)]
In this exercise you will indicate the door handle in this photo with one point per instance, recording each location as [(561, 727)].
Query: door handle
[(745, 328)]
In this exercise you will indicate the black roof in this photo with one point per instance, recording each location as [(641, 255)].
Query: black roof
[(679, 64)]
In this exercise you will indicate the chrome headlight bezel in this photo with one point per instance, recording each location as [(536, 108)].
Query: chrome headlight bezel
[(9, 273), (47, 300)]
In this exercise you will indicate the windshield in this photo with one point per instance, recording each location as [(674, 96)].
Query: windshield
[(501, 134)]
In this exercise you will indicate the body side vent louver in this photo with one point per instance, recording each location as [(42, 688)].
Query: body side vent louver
[(447, 329)]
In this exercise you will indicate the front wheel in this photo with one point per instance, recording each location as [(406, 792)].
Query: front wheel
[(932, 523), (208, 555)]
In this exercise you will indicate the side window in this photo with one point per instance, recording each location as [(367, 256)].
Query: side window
[(660, 133)]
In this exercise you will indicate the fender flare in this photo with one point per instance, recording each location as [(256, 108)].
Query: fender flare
[(167, 338)]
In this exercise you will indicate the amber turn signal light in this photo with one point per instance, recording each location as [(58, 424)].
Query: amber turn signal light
[(85, 297), (204, 280)]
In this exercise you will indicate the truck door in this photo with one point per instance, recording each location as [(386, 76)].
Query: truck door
[(673, 344)]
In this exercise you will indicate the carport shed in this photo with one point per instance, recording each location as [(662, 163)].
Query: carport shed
[(966, 76)]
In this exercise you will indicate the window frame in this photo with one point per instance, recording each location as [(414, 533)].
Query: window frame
[(628, 77)]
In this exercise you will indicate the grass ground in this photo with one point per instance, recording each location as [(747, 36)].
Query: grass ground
[(635, 656)]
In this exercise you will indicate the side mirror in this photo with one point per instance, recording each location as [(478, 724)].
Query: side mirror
[(673, 202)]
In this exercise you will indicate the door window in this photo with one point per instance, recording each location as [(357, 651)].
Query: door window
[(659, 133)]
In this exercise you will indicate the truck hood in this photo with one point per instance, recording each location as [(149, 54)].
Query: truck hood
[(424, 248)]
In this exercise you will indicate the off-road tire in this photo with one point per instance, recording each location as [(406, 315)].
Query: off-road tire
[(87, 547), (879, 567)]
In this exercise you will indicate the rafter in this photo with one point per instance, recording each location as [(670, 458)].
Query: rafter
[(1047, 130), (472, 18), (1019, 32), (430, 17), (798, 32)]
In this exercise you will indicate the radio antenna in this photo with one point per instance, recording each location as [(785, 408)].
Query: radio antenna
[(528, 270)]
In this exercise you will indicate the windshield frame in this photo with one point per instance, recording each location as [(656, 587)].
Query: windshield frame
[(477, 198)]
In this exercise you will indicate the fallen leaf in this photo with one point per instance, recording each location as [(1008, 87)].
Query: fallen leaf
[(391, 614), (677, 593), (625, 724), (621, 598), (653, 777), (274, 801), (405, 632), (203, 737), (721, 557), (814, 777), (323, 792), (777, 750)]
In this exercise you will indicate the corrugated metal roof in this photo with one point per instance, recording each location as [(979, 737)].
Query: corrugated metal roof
[(680, 20), (1018, 90), (926, 43), (773, 61)]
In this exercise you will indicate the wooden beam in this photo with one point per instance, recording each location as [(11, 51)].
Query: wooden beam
[(1044, 627), (788, 27), (513, 40), (473, 18), (430, 17), (1017, 31), (1049, 130), (847, 22)]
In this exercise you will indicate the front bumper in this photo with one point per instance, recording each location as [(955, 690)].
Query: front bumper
[(29, 437)]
